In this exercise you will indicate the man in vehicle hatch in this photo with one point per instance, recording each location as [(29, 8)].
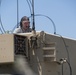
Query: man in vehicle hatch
[(21, 66)]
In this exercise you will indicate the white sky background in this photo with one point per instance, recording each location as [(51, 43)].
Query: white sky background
[(62, 12)]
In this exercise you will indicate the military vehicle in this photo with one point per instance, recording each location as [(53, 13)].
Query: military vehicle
[(47, 54)]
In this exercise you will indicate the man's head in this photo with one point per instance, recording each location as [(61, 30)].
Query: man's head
[(24, 23)]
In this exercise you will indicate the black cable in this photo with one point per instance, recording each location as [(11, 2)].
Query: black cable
[(69, 67), (29, 5), (49, 19), (0, 20), (0, 2), (62, 69), (30, 2), (65, 47), (1, 30), (68, 61), (2, 25), (64, 60)]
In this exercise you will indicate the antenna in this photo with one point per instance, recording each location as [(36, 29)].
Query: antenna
[(33, 18)]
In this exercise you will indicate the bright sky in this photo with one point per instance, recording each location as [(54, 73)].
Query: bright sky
[(62, 12)]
